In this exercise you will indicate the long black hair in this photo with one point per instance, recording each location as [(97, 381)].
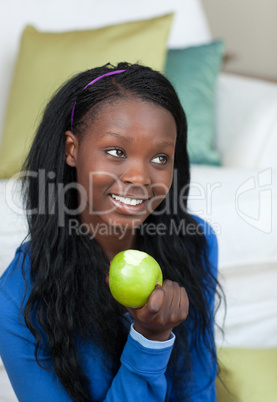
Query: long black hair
[(69, 299)]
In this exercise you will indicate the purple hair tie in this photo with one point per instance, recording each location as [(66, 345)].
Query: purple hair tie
[(90, 83)]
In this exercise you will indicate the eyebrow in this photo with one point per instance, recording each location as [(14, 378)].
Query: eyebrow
[(117, 135), (130, 139)]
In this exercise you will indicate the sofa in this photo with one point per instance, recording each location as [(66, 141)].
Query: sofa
[(233, 161)]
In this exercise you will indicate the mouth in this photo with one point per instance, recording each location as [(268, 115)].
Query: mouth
[(128, 205), (127, 200)]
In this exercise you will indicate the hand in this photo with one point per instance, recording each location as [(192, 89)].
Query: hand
[(167, 307)]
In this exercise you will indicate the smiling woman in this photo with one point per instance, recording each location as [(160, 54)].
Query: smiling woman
[(112, 149), (129, 180)]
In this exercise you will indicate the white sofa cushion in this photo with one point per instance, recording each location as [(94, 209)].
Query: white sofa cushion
[(241, 206), (6, 392), (256, 146), (246, 122), (13, 228)]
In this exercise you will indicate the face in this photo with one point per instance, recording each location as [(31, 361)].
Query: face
[(124, 162)]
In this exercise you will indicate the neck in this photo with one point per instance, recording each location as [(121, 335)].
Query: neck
[(112, 244)]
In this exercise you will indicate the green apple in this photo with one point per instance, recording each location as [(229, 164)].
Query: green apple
[(133, 276)]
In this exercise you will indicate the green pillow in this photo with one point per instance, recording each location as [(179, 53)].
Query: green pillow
[(193, 71), (46, 60), (248, 375)]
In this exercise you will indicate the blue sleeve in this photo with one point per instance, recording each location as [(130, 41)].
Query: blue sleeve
[(29, 381), (17, 345), (141, 374)]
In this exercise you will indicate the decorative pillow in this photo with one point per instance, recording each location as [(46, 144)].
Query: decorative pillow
[(46, 60), (193, 72), (247, 375)]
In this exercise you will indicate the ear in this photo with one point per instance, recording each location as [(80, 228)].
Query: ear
[(71, 148)]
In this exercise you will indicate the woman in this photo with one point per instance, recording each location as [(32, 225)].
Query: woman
[(108, 170)]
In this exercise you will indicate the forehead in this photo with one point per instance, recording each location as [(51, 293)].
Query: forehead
[(133, 114)]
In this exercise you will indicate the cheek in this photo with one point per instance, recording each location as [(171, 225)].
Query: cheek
[(98, 183), (161, 187), (92, 172), (163, 182)]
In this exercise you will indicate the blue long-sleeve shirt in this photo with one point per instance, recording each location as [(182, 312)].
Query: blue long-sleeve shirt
[(142, 375)]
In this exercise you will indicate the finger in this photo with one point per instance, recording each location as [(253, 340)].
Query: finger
[(176, 299), (151, 308), (172, 294), (184, 303), (156, 300)]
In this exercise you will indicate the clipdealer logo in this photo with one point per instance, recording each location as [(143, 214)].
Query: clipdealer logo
[(252, 199), (261, 188)]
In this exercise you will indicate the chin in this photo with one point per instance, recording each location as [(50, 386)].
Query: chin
[(125, 223)]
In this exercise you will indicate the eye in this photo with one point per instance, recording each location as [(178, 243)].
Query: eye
[(116, 152), (160, 159)]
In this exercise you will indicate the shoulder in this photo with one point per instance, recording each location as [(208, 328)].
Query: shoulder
[(212, 243), (16, 276), (208, 230)]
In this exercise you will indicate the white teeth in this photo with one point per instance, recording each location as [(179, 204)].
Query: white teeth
[(127, 201)]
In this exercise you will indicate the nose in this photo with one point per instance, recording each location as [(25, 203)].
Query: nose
[(136, 173)]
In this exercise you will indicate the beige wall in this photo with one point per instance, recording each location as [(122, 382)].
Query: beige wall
[(249, 28)]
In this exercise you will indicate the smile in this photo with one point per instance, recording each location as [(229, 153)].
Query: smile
[(127, 201)]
